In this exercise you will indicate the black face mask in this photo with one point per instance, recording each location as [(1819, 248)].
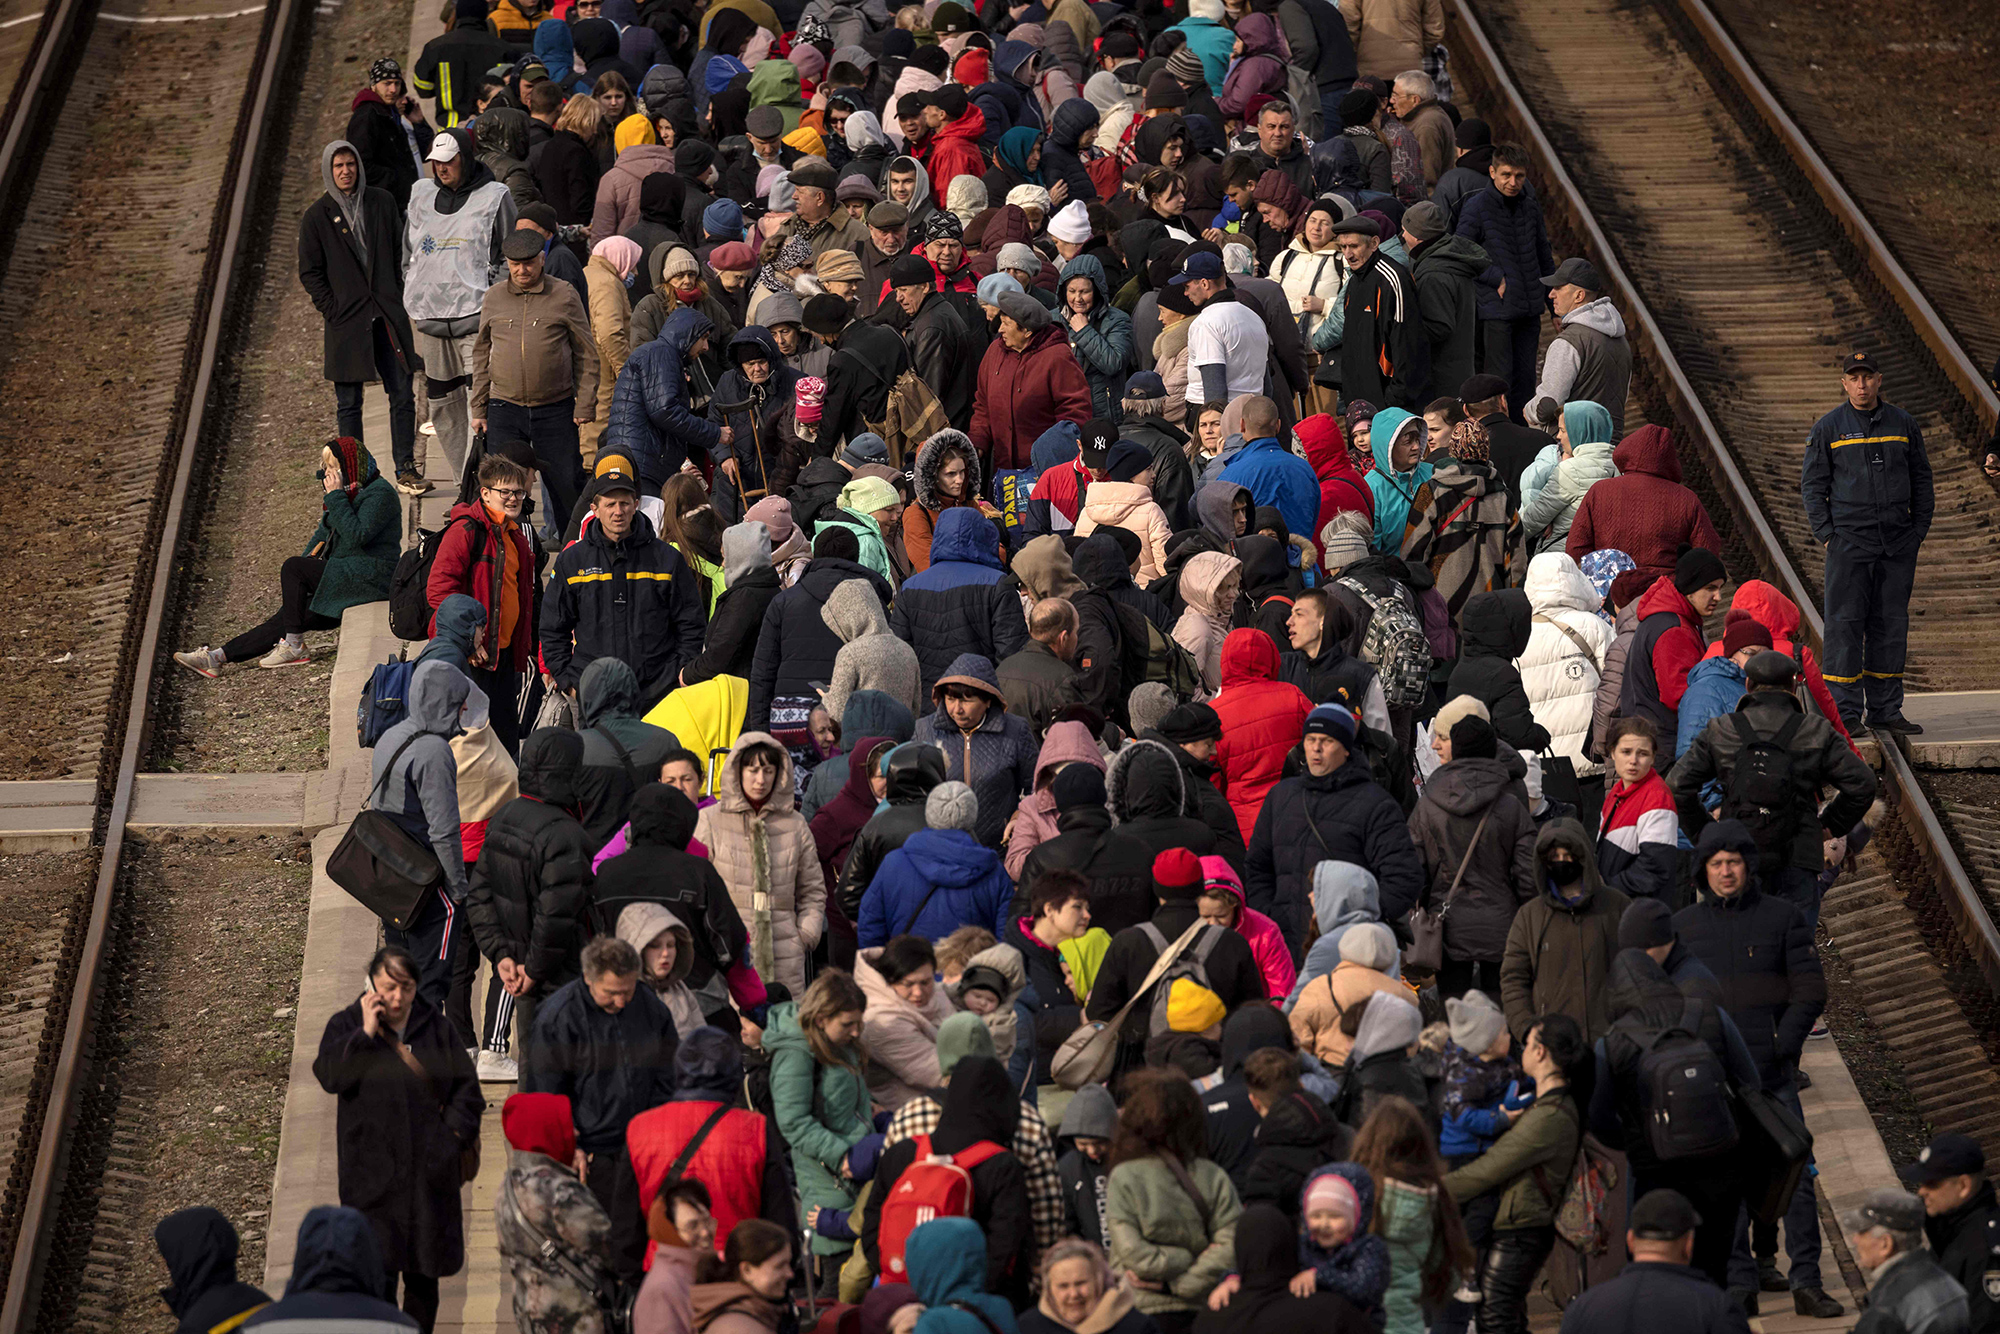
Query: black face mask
[(1565, 873)]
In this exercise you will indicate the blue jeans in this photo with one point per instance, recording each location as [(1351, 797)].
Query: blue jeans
[(551, 429), (396, 383), (1801, 1231)]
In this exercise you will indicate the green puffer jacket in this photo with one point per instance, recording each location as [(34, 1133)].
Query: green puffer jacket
[(359, 538), (1547, 1136), (1403, 1219), (1156, 1231), (820, 1123)]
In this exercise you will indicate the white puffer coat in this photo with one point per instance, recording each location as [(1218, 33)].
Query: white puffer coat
[(1560, 673), (771, 865), (1304, 272)]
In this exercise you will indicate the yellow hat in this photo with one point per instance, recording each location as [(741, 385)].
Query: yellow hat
[(806, 139), (633, 130), (1192, 1007)]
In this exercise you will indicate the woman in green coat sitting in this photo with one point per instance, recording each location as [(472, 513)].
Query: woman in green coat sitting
[(349, 561), (819, 1090)]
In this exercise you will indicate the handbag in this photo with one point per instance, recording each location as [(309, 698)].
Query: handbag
[(1778, 1145), (1087, 1055), (613, 1295), (1426, 948), (558, 710), (382, 864)]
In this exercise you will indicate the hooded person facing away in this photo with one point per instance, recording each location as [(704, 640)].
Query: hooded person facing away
[(415, 777), (621, 752), (199, 1247), (337, 1277), (1343, 895)]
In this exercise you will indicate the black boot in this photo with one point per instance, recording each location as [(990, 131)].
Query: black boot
[(1815, 1303)]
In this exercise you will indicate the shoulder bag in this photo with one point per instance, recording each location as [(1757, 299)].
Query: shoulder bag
[(1426, 948), (382, 864), (1087, 1055)]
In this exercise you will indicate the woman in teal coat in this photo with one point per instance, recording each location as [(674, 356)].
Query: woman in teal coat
[(348, 561), (819, 1091)]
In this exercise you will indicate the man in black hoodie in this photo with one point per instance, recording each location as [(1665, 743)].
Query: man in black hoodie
[(1148, 795), (199, 1247), (1110, 611), (530, 894), (913, 770), (1117, 865), (1190, 732)]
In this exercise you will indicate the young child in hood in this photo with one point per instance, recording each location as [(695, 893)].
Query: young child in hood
[(1084, 1166), (1223, 902), (1338, 1252)]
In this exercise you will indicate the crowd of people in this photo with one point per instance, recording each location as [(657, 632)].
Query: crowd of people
[(1041, 718)]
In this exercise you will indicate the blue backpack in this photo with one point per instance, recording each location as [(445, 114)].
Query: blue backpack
[(385, 700)]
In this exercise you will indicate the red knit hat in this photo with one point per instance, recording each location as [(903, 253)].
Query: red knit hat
[(1177, 874), (1741, 630)]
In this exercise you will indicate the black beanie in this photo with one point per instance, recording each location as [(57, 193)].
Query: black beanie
[(1647, 924), (827, 314), (1358, 106), (1080, 784), (837, 542), (1697, 567), (932, 60), (1472, 738), (907, 270)]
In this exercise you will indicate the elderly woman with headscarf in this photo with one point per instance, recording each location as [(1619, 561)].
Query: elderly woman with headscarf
[(1017, 161), (1462, 525), (1080, 1295), (613, 261), (781, 273)]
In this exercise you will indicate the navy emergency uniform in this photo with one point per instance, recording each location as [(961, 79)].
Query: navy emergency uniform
[(1868, 496)]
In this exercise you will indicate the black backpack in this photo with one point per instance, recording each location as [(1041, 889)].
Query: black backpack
[(1761, 791), (1684, 1093), (409, 601)]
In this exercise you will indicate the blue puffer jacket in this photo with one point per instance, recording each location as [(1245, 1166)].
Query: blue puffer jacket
[(961, 604), (972, 889), (1715, 686), (1515, 237), (1103, 347), (1275, 476), (651, 420)]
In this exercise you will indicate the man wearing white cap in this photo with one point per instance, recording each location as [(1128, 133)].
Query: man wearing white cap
[(452, 236)]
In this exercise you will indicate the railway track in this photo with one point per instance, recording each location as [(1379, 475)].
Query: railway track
[(1741, 279), (124, 217)]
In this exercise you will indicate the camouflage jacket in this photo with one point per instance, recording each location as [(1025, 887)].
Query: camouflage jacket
[(541, 1198)]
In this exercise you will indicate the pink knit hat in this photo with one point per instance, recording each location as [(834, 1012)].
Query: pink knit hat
[(811, 398), (1330, 1190), (775, 513)]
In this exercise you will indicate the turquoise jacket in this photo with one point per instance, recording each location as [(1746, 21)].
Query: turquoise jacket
[(1393, 491)]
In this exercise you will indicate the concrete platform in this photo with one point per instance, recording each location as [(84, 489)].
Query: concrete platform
[(1961, 729), (55, 816)]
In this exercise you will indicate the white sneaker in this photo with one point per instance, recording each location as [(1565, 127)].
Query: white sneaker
[(284, 655), (495, 1068), (1820, 1030), (203, 661)]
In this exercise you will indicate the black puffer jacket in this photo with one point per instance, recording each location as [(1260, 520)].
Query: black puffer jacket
[(1358, 822), (1148, 799), (1761, 951), (795, 646), (1494, 630), (1205, 802), (529, 899), (913, 771), (1118, 866), (1644, 1002), (656, 867), (1499, 873)]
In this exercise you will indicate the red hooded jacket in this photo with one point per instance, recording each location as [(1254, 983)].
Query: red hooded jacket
[(1022, 394), (1778, 614), (1341, 487), (1644, 512), (953, 151), (1262, 719)]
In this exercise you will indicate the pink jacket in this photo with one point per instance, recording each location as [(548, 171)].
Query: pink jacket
[(1267, 941), (665, 1304), (1035, 817)]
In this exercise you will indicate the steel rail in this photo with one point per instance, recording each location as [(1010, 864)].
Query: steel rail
[(1654, 355), (35, 1226)]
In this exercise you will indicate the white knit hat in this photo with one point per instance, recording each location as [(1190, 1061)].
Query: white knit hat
[(1475, 1020), (951, 806), (1071, 223)]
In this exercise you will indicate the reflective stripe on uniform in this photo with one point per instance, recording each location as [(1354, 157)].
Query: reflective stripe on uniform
[(1872, 440)]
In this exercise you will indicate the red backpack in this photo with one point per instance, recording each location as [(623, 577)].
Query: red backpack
[(934, 1185)]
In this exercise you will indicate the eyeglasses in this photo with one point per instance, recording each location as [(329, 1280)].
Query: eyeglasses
[(506, 492)]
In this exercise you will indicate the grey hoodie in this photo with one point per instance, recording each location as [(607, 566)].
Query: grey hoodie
[(745, 547), (1564, 363), (786, 308), (1343, 895), (871, 658), (350, 204), (418, 788)]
